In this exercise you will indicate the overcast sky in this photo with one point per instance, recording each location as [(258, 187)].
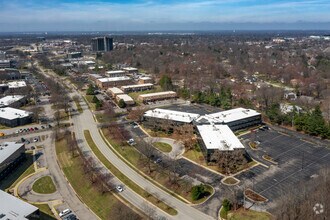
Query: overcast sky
[(131, 15)]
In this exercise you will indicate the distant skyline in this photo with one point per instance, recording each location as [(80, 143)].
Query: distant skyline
[(144, 15)]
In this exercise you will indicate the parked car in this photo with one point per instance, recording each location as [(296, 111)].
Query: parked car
[(42, 127), (131, 142), (158, 160), (70, 217), (64, 212), (36, 128), (35, 140)]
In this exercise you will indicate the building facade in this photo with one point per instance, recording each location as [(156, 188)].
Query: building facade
[(13, 117), (102, 44), (158, 96), (105, 83), (11, 154)]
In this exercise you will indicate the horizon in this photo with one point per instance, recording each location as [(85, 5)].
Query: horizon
[(144, 15)]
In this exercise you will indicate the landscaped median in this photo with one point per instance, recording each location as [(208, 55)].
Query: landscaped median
[(105, 205), (181, 189), (44, 185), (164, 147), (156, 201)]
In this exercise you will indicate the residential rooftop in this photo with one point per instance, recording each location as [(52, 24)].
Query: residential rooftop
[(125, 98), (171, 115), (13, 208), (115, 90), (219, 137)]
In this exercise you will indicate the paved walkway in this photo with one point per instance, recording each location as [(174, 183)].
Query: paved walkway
[(177, 146), (25, 189)]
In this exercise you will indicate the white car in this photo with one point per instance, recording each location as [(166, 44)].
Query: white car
[(64, 212), (119, 188)]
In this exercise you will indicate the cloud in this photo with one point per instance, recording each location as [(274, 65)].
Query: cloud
[(90, 14)]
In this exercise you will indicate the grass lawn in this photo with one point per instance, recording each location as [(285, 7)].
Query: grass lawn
[(104, 118), (3, 127), (89, 99), (242, 214), (24, 169), (136, 188), (158, 173), (44, 185), (101, 204), (163, 147), (63, 115), (45, 212), (223, 213), (230, 181), (80, 110)]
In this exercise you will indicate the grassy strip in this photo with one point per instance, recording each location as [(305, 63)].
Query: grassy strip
[(45, 212), (79, 108), (181, 190), (223, 213), (24, 169), (126, 180), (164, 147), (44, 185), (88, 99), (101, 204), (242, 214)]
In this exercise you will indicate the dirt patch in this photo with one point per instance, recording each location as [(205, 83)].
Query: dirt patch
[(254, 196)]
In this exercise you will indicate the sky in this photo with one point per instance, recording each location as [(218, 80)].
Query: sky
[(152, 15)]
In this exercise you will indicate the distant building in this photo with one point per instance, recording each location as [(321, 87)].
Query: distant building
[(3, 88), (17, 86), (115, 73), (114, 91), (6, 64), (145, 79), (158, 96), (15, 209), (14, 101), (130, 70), (105, 83), (213, 137), (126, 98), (2, 55), (137, 88), (288, 108), (102, 44), (9, 74), (236, 119), (11, 154), (12, 117), (74, 55)]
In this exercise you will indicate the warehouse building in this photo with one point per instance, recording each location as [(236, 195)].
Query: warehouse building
[(13, 117), (126, 98), (105, 83), (14, 101), (236, 119), (158, 96), (137, 88), (212, 137), (114, 91), (15, 209), (11, 154)]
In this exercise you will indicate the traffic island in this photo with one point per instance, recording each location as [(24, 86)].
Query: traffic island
[(269, 159), (230, 181), (254, 196)]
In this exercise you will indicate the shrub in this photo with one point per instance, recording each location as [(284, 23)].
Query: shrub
[(198, 192), (226, 205)]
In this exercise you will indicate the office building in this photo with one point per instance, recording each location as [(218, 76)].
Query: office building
[(236, 119), (14, 101), (9, 74), (2, 55), (105, 83), (11, 153), (212, 137), (102, 44), (74, 55), (6, 64), (158, 96), (137, 88), (126, 98), (15, 209), (13, 117), (115, 73), (114, 91)]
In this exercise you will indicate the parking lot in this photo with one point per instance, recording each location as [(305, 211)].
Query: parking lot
[(297, 160)]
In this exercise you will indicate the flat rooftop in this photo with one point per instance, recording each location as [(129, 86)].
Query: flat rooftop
[(130, 69), (125, 97), (115, 90), (137, 86), (115, 72), (219, 137), (171, 115), (229, 115), (157, 94), (16, 84), (7, 100), (13, 208), (7, 149), (13, 113), (114, 79)]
